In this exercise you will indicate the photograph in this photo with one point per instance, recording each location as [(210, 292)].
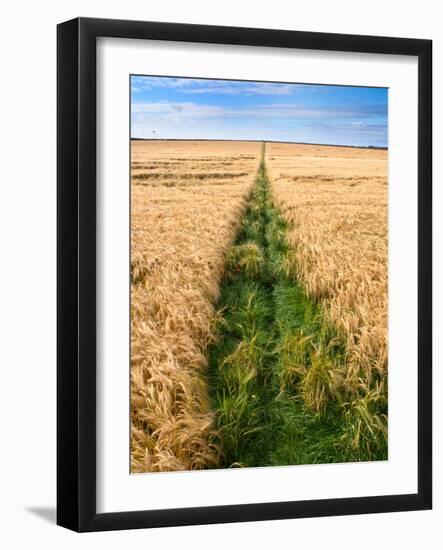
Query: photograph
[(244, 274), (259, 274)]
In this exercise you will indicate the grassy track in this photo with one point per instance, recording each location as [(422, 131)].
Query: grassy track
[(271, 370)]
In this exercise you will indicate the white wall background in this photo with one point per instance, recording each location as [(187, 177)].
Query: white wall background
[(27, 275)]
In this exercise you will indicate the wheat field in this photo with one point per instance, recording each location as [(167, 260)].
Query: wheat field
[(187, 203), (335, 202), (269, 266)]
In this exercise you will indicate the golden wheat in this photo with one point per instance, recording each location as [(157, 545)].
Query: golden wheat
[(335, 202), (187, 201)]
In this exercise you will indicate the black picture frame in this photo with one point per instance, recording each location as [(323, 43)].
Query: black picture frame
[(76, 273)]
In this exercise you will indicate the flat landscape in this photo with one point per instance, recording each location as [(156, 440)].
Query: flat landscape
[(258, 304), (188, 200)]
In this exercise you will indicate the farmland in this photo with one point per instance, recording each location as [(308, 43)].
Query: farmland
[(258, 304), (187, 203), (334, 201)]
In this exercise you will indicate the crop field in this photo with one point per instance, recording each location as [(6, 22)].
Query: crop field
[(334, 200), (187, 202), (258, 304)]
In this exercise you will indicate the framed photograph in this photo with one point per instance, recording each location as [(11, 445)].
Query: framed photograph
[(244, 274)]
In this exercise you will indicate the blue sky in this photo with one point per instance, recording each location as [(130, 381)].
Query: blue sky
[(163, 107)]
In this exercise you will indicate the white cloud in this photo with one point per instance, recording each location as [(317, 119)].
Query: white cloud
[(343, 124), (273, 110), (187, 109), (243, 88), (204, 86)]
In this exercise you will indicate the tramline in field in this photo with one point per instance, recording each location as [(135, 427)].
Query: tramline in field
[(259, 304)]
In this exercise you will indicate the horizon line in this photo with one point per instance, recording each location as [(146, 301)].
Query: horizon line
[(381, 147)]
